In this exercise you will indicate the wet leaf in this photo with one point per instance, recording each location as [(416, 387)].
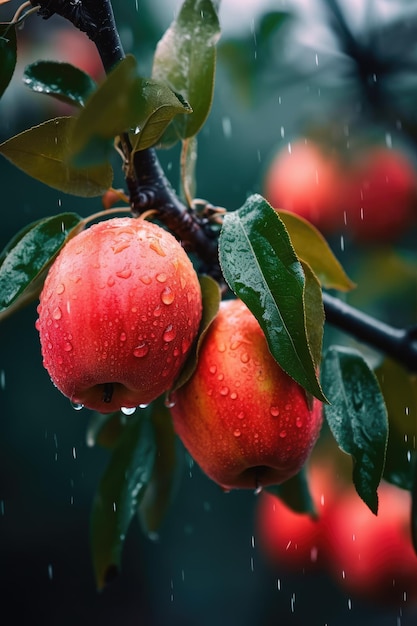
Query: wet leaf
[(119, 494), (166, 472), (312, 248), (104, 429), (295, 493), (43, 153), (26, 259), (185, 60), (261, 267), (399, 389), (7, 55), (314, 313), (61, 80), (211, 301), (124, 102), (357, 417)]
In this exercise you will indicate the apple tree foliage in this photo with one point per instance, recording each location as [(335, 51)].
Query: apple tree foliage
[(277, 263)]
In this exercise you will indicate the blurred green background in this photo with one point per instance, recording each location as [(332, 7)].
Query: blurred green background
[(206, 567)]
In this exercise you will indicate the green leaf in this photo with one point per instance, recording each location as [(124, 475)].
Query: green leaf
[(61, 80), (261, 267), (295, 493), (167, 470), (399, 389), (7, 55), (314, 313), (124, 102), (211, 296), (119, 494), (26, 259), (312, 248), (185, 60), (43, 153), (357, 417)]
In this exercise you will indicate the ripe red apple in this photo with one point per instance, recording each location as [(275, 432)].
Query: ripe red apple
[(369, 555), (294, 540), (241, 417), (119, 310), (380, 195), (307, 182)]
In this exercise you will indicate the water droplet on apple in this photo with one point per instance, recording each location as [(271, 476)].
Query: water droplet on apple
[(298, 422), (274, 410), (167, 296), (213, 369), (60, 289), (233, 395), (68, 346), (244, 357), (128, 410), (123, 336), (161, 278), (141, 350), (57, 313), (77, 406), (169, 333), (169, 402), (156, 246), (241, 415), (235, 344), (237, 432), (125, 273), (110, 281), (221, 347), (143, 405), (224, 391), (283, 434)]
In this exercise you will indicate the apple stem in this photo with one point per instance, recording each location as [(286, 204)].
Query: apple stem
[(108, 392)]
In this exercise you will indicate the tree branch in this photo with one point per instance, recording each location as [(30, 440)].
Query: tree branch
[(398, 343)]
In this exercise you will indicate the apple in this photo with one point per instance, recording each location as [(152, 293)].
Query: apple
[(308, 182), (119, 310), (294, 540), (241, 417), (380, 195), (372, 556)]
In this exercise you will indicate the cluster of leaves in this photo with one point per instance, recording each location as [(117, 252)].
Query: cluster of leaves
[(276, 263)]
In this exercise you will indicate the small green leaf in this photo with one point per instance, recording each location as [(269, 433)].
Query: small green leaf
[(295, 493), (61, 80), (124, 102), (27, 258), (261, 267), (357, 417), (312, 248), (43, 153), (400, 393), (211, 295), (185, 60), (167, 470), (119, 494), (7, 55)]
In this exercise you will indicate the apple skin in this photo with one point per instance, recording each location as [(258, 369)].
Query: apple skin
[(121, 306), (380, 195), (372, 556), (241, 417), (295, 540), (307, 182)]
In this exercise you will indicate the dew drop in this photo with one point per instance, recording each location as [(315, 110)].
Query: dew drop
[(144, 406), (125, 273), (141, 350), (161, 278), (167, 296), (169, 402), (298, 422), (224, 391), (57, 313), (128, 410), (156, 246), (68, 346), (283, 434), (244, 357), (123, 336), (235, 344), (221, 347), (241, 415), (110, 281), (274, 410), (169, 333), (213, 369), (237, 432), (233, 395), (157, 312), (77, 406), (60, 289)]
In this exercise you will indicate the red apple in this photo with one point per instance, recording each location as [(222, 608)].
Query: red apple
[(241, 417), (369, 555), (119, 310), (294, 540), (380, 195), (306, 181)]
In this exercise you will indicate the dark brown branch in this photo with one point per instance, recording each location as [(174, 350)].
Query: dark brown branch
[(398, 343)]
